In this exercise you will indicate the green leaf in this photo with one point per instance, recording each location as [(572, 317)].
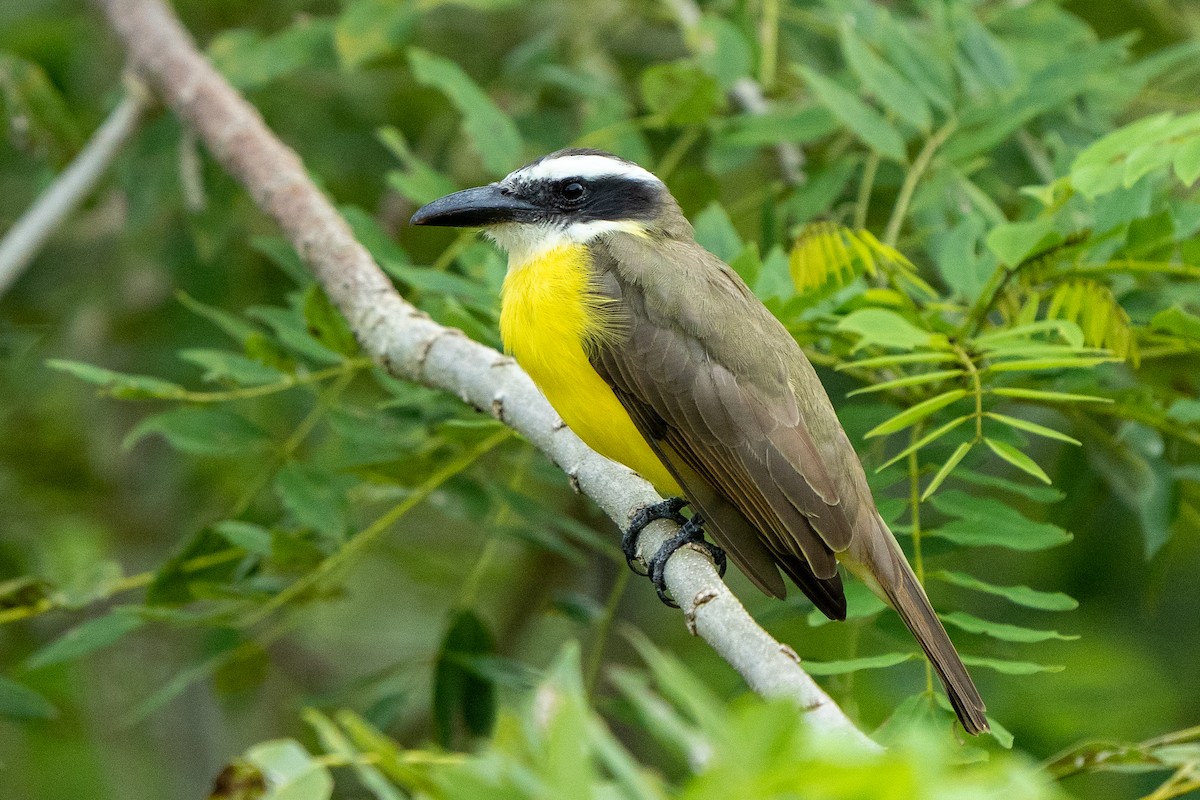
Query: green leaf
[(367, 30), (1008, 667), (884, 81), (863, 121), (204, 558), (1018, 459), (326, 324), (460, 697), (315, 498), (726, 55), (1031, 427), (202, 431), (86, 638), (291, 330), (1185, 410), (222, 365), (1021, 595), (1002, 630), (916, 413), (279, 251), (680, 93), (987, 522), (416, 180), (1068, 331), (908, 380), (899, 358), (19, 702), (855, 664), (1034, 364), (1013, 242), (886, 328), (716, 234), (959, 453), (933, 435), (1187, 161), (1176, 320), (236, 327), (423, 279), (1050, 397), (1035, 492), (33, 114), (492, 132), (290, 772), (119, 384), (337, 743), (246, 535), (249, 60), (780, 124)]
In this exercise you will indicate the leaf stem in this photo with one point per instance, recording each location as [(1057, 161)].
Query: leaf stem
[(891, 234), (914, 501), (977, 387), (350, 365), (863, 201)]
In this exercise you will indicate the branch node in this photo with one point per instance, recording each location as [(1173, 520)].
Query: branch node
[(498, 406), (424, 349), (702, 597), (573, 480), (789, 652)]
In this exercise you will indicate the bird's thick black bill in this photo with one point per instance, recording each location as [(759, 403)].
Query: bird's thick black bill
[(472, 208)]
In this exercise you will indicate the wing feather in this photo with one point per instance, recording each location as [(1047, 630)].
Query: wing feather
[(742, 453)]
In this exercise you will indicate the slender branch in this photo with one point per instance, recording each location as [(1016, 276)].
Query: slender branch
[(26, 238), (413, 347)]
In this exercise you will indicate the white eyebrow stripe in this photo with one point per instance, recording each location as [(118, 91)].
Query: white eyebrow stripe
[(583, 167)]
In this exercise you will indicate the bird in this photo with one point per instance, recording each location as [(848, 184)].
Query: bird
[(657, 355)]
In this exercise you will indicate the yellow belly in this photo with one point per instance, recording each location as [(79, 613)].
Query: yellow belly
[(547, 315)]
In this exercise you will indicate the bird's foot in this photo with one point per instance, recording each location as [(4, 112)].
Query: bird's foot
[(692, 532), (666, 509)]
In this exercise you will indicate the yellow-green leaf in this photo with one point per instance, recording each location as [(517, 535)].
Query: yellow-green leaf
[(959, 453), (1031, 427), (1018, 459), (920, 411)]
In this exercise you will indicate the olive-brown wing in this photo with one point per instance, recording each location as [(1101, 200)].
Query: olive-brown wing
[(725, 439)]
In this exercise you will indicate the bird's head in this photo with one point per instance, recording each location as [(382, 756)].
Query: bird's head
[(569, 196)]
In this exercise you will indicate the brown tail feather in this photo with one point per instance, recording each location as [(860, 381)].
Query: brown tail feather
[(909, 600)]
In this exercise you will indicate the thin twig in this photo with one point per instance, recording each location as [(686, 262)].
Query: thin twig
[(413, 347), (26, 238)]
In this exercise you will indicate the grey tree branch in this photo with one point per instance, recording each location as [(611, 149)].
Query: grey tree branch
[(413, 347), (26, 238)]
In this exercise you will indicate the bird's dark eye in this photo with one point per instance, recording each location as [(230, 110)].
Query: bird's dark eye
[(572, 191)]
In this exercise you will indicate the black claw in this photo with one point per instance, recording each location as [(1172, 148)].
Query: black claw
[(692, 532), (667, 509)]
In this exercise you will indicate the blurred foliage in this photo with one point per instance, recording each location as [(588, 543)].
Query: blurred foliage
[(366, 589)]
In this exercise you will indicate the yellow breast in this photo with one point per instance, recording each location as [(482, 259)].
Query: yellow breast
[(548, 317)]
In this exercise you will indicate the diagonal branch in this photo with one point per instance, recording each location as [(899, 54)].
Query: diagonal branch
[(26, 238), (413, 347)]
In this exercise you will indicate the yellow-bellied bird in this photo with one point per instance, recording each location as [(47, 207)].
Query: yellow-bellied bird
[(658, 356)]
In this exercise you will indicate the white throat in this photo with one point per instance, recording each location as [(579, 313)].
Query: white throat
[(527, 242)]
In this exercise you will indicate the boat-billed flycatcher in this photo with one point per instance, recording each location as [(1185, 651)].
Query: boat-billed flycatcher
[(658, 356)]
